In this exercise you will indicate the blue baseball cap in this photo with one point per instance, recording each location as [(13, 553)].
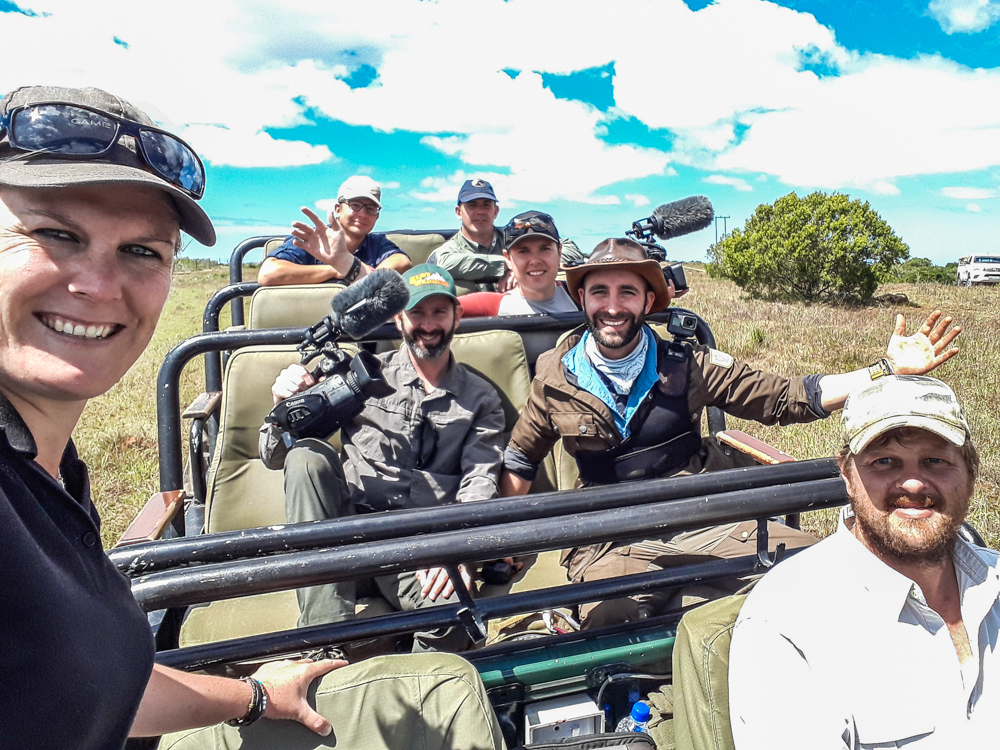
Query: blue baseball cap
[(472, 189)]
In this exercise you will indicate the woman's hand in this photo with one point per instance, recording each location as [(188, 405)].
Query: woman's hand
[(926, 349), (287, 684)]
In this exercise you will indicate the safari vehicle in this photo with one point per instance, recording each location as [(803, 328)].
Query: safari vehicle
[(978, 269), (220, 590)]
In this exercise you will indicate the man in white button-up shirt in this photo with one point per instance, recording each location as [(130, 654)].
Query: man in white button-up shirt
[(885, 634)]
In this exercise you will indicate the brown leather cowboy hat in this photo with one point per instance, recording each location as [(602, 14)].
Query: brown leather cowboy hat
[(621, 253)]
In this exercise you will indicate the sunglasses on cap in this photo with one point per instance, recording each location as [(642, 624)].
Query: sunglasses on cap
[(519, 227), (85, 133)]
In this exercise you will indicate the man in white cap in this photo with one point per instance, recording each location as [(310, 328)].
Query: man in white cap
[(884, 634), (344, 250)]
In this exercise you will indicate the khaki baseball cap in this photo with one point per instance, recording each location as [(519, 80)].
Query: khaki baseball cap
[(360, 186), (903, 401), (426, 280)]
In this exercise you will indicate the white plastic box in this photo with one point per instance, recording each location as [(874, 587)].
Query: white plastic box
[(567, 716)]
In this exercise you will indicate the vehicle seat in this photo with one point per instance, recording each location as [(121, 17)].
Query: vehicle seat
[(701, 674), (295, 306), (242, 493)]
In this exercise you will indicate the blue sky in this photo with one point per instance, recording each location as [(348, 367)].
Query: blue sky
[(591, 110)]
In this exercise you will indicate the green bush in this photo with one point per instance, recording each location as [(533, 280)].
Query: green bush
[(922, 271), (821, 248)]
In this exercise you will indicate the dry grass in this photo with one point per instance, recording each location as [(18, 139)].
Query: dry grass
[(117, 435)]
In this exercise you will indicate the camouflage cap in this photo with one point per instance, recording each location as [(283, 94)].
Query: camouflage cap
[(903, 401)]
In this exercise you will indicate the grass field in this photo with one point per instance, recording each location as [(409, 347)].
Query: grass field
[(117, 435)]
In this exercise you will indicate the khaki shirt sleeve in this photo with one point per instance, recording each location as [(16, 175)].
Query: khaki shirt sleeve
[(482, 453), (717, 379), (271, 447), (466, 265)]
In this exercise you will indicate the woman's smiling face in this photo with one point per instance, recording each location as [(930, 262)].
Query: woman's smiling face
[(84, 275)]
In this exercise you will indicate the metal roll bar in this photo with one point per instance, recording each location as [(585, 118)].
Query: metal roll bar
[(448, 615), (141, 559), (230, 580)]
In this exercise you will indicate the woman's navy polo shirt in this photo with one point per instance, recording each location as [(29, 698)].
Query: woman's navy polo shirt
[(76, 651)]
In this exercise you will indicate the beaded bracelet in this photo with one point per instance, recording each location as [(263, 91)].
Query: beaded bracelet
[(256, 707)]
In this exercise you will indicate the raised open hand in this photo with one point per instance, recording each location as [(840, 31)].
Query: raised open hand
[(926, 349), (327, 244)]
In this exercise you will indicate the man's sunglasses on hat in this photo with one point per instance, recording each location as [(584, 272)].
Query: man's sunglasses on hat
[(85, 133)]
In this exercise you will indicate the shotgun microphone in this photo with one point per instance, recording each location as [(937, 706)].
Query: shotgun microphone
[(676, 219), (367, 304)]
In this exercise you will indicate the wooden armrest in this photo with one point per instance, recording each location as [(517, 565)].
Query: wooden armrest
[(153, 518), (756, 449), (203, 406)]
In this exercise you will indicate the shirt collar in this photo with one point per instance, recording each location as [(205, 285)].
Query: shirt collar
[(889, 589), (18, 435), (409, 375), (494, 249)]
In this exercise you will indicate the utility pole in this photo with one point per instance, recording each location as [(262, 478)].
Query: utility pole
[(724, 231)]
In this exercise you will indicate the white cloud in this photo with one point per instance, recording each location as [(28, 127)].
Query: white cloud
[(391, 185), (970, 193), (883, 187), (735, 182), (637, 199), (964, 16), (242, 148), (973, 207), (796, 105)]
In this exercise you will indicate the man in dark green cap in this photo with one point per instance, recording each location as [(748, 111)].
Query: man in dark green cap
[(436, 440)]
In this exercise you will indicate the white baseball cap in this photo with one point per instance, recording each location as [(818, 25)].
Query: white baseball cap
[(360, 186), (903, 401)]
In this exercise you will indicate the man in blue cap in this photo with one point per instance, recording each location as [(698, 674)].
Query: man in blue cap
[(475, 253)]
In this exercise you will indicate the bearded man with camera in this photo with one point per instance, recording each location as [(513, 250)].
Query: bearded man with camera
[(435, 439), (627, 405)]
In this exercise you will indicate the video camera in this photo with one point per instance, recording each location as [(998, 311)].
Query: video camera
[(345, 382)]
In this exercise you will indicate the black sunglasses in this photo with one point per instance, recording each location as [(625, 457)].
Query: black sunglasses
[(539, 223), (85, 133)]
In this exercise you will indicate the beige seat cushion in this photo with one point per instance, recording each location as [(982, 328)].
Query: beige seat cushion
[(243, 493), (417, 246), (295, 306)]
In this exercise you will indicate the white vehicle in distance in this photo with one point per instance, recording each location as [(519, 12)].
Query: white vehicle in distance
[(978, 269)]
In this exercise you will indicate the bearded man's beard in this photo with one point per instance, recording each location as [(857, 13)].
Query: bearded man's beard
[(421, 350), (616, 339), (913, 541)]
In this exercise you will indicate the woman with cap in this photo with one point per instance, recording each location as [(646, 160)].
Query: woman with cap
[(93, 197)]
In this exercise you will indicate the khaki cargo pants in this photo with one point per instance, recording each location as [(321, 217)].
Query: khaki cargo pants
[(686, 548), (426, 701)]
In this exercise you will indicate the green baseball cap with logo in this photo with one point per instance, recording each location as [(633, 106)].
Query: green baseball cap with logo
[(425, 280), (903, 401)]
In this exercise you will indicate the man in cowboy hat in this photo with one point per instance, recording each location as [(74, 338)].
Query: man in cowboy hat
[(627, 405)]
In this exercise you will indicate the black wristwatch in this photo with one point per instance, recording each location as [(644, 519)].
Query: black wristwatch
[(351, 276)]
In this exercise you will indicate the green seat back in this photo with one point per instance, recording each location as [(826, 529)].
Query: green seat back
[(701, 675)]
